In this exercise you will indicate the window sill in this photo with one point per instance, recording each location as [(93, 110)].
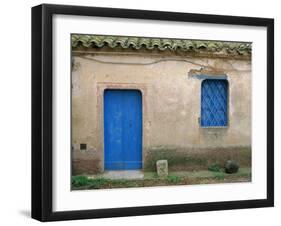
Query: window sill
[(214, 127)]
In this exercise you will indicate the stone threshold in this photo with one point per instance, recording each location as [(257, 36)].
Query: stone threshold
[(123, 174)]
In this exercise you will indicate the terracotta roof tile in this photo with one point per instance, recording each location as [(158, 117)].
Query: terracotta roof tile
[(98, 41)]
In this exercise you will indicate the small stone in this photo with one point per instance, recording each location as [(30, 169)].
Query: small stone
[(162, 168), (231, 166)]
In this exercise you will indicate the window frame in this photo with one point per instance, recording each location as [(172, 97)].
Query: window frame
[(227, 103)]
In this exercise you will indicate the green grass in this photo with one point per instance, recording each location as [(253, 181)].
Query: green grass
[(173, 179), (219, 176), (78, 181), (100, 182), (243, 172), (215, 167), (151, 179)]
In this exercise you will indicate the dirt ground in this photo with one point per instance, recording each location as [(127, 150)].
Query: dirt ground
[(150, 179)]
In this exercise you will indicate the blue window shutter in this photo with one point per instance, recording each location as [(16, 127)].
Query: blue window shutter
[(214, 97)]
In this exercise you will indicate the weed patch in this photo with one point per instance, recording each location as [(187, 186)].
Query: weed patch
[(173, 179), (78, 181), (219, 176), (215, 167)]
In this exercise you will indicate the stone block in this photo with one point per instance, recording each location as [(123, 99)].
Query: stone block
[(162, 168)]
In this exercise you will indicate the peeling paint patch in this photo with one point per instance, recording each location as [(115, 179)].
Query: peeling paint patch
[(211, 76), (205, 73), (204, 76)]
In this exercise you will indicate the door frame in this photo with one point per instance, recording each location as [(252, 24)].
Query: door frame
[(101, 87)]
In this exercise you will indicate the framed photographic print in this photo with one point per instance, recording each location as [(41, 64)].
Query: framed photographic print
[(145, 112)]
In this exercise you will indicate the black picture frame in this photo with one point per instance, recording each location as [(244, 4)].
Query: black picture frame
[(42, 107)]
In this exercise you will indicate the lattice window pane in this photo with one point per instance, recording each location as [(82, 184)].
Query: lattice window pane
[(214, 102)]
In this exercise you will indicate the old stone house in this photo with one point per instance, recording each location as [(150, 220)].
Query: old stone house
[(138, 100)]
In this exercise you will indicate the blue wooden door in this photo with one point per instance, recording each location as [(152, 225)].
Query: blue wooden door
[(122, 129)]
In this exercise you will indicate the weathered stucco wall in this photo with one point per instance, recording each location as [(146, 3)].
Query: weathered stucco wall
[(171, 92)]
